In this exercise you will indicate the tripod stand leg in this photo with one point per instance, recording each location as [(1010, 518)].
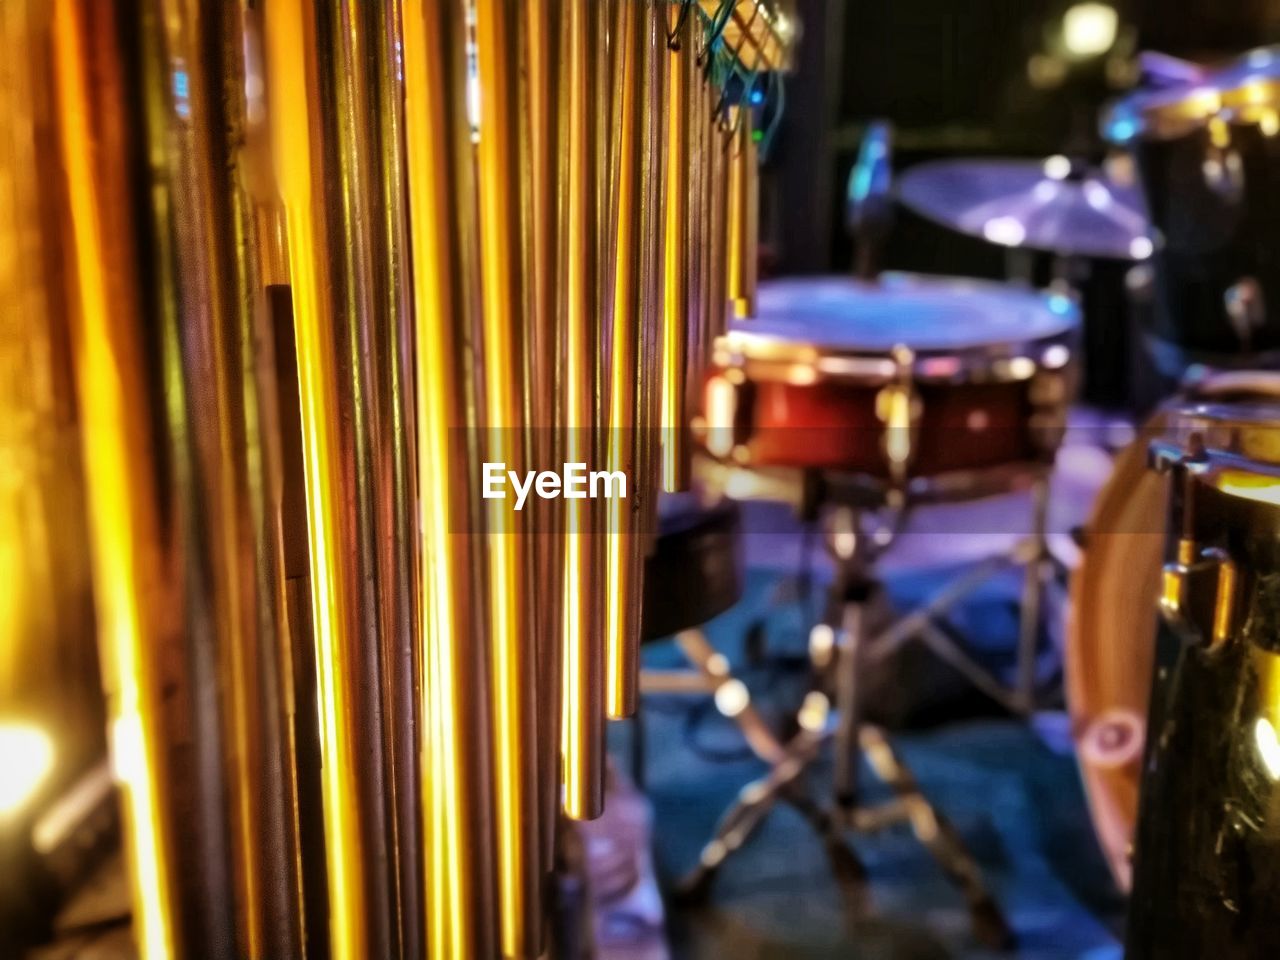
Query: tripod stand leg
[(847, 870), (745, 815), (937, 836), (1032, 597), (847, 754)]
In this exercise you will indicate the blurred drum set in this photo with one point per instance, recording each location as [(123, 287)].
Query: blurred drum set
[(859, 398)]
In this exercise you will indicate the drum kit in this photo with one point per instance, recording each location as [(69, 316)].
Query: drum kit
[(860, 398)]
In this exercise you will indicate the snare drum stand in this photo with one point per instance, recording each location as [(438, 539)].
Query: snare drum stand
[(831, 713)]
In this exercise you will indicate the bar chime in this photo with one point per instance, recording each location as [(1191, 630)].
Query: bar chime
[(304, 267)]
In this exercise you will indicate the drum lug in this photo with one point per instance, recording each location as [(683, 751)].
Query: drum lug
[(898, 408), (1198, 594), (1048, 421), (1198, 587)]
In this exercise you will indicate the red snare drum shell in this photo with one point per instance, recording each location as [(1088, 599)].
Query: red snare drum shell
[(806, 375)]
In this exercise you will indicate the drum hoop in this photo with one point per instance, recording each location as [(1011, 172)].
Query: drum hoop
[(1221, 384), (1235, 414), (770, 358), (1099, 658)]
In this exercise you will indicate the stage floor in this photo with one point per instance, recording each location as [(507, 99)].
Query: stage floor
[(1011, 788)]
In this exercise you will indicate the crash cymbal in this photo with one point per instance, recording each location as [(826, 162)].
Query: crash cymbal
[(1043, 205)]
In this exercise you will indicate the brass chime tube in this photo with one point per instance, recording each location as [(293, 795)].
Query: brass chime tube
[(229, 383), (122, 523), (512, 661), (700, 133), (743, 215), (719, 218), (358, 137), (48, 667), (538, 23), (173, 370), (290, 33), (443, 241), (677, 300), (582, 718), (50, 691), (623, 543), (389, 365), (652, 213)]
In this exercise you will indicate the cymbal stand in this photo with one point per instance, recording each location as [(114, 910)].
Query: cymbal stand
[(836, 652)]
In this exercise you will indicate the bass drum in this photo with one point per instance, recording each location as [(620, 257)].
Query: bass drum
[(1111, 624), (1112, 621)]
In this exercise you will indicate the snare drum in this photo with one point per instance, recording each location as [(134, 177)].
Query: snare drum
[(1209, 159), (905, 376)]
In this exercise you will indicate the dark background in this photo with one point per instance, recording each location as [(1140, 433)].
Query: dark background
[(953, 77)]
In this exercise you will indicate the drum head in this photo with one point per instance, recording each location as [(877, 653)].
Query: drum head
[(927, 314), (1111, 627)]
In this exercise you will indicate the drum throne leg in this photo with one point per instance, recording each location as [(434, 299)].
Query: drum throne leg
[(831, 714)]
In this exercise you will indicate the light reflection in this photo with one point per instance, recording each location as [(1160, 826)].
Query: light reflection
[(1268, 744), (26, 757), (1140, 248), (1057, 167), (1006, 231), (1089, 29)]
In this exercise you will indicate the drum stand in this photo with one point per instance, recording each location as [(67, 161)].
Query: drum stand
[(831, 714), (1033, 555)]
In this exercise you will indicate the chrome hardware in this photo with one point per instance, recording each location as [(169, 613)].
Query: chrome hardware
[(1198, 593), (898, 407), (1198, 587)]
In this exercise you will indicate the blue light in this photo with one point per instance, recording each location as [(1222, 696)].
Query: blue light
[(182, 92), (1123, 130), (1060, 305), (757, 96), (862, 183)]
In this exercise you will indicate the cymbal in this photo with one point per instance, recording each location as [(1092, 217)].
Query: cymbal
[(1042, 205)]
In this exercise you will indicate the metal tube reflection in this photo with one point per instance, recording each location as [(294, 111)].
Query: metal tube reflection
[(444, 243), (582, 716), (290, 34), (743, 214), (511, 655), (677, 303), (623, 544)]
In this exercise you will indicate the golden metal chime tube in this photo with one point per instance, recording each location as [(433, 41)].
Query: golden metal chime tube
[(650, 397), (701, 132), (743, 226), (538, 155), (336, 97), (624, 544), (389, 368), (295, 78), (512, 653), (459, 885), (52, 731), (719, 218), (677, 243), (320, 261), (582, 708), (175, 379)]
